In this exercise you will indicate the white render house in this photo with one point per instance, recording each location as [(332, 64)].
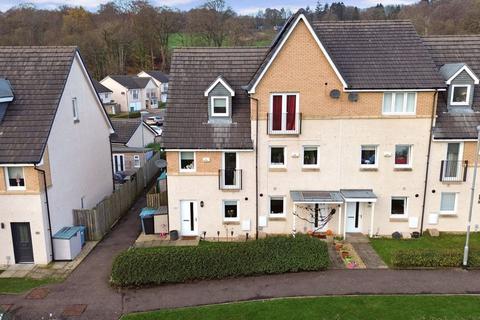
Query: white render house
[(52, 123)]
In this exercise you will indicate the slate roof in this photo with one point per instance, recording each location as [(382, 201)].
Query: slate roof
[(124, 129), (191, 72), (456, 49), (38, 76), (131, 82), (100, 88), (159, 75), (372, 54)]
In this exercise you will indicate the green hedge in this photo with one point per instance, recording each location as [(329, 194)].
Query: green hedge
[(211, 260), (433, 258)]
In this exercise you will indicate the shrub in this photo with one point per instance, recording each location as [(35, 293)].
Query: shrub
[(433, 258), (147, 266)]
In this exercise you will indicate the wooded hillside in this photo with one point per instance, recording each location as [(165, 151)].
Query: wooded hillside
[(125, 36)]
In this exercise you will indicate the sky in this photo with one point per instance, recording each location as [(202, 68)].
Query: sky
[(240, 6)]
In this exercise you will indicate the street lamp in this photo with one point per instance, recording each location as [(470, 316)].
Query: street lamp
[(472, 195)]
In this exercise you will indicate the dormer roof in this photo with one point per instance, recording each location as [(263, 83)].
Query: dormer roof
[(450, 71), (224, 83)]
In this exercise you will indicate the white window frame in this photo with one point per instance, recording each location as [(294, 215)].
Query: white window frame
[(467, 101), (274, 165), (372, 146), (76, 116), (238, 210), (307, 166), (405, 212), (404, 109), (410, 156), (277, 215), (136, 159), (137, 93), (194, 162), (212, 106), (115, 155), (284, 113), (449, 212), (7, 178)]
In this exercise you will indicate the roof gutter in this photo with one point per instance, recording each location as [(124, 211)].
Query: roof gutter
[(432, 120), (52, 254)]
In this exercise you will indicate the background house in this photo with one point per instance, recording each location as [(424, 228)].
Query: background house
[(105, 95), (132, 93), (54, 149), (129, 144), (161, 79)]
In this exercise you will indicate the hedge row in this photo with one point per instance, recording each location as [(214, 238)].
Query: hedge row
[(149, 266), (433, 258)]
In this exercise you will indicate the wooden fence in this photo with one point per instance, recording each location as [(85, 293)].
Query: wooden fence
[(100, 219), (157, 200)]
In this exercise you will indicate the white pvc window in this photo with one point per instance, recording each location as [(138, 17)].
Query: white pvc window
[(219, 106), (277, 206), (135, 93), (460, 95), (277, 157), (75, 110), (399, 103), (399, 207), (187, 161), (403, 156), (368, 156), (311, 157), (448, 202), (230, 210), (15, 178)]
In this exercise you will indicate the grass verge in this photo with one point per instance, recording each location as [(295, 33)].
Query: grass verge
[(328, 308), (21, 285)]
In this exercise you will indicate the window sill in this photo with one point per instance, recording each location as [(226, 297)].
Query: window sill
[(366, 168), (187, 171), (277, 169), (277, 217), (399, 219), (231, 222), (10, 189), (312, 168), (447, 213), (399, 114), (403, 169)]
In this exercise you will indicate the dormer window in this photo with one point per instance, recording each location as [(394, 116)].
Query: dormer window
[(460, 95), (220, 106), (219, 95)]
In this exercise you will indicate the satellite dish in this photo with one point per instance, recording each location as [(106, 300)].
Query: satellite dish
[(353, 97), (335, 94), (160, 163)]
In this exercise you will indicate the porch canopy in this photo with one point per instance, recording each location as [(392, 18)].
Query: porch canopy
[(358, 195), (333, 197)]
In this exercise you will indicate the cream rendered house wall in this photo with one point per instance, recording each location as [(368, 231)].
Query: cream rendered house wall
[(79, 152), (117, 96), (136, 139), (339, 127), (458, 220), (203, 186)]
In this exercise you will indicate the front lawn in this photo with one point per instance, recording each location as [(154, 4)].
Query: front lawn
[(21, 285), (330, 308), (387, 248), (219, 260)]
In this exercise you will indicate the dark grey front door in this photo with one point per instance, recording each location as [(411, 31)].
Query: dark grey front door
[(22, 242)]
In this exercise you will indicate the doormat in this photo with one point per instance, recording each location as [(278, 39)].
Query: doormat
[(74, 310), (38, 293), (189, 238)]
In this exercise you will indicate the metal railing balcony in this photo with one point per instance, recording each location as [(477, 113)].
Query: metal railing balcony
[(230, 179), (284, 123), (453, 171)]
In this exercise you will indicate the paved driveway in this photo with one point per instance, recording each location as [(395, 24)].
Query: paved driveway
[(88, 284)]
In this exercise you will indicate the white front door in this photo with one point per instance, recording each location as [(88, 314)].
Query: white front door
[(353, 216), (188, 214)]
